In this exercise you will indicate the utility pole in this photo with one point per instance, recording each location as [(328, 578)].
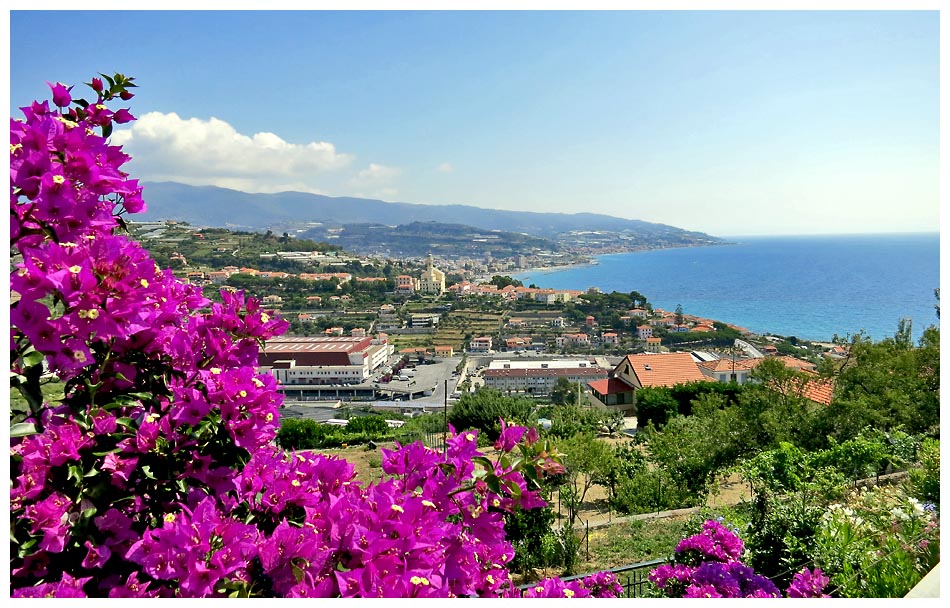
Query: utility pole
[(445, 417)]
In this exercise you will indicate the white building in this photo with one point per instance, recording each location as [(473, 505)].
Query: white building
[(330, 360), (539, 377)]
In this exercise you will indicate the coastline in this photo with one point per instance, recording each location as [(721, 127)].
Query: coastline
[(810, 288)]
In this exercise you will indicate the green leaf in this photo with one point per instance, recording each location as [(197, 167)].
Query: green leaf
[(485, 462), (22, 429), (494, 484), (147, 471), (33, 357), (107, 129), (25, 547)]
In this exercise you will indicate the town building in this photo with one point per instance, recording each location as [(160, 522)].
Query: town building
[(645, 370), (323, 360), (644, 332), (539, 377), (653, 345), (424, 320), (405, 285), (444, 351), (481, 344), (432, 281), (729, 369)]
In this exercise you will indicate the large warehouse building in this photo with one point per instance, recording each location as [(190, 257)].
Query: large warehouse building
[(331, 360)]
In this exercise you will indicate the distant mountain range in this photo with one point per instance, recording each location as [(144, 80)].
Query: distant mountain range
[(311, 214)]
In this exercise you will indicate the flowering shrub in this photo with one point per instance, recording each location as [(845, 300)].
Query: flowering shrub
[(879, 543), (156, 475), (709, 564)]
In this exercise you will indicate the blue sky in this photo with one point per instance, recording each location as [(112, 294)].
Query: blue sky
[(732, 123)]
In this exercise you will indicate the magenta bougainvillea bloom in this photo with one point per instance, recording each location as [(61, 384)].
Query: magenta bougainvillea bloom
[(709, 564), (157, 475), (61, 96), (808, 583)]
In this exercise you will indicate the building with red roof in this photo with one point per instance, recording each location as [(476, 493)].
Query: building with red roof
[(644, 370)]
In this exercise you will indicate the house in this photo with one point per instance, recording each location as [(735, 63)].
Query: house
[(589, 321), (653, 345), (729, 369), (644, 332), (333, 331), (572, 340), (809, 385), (218, 277), (444, 351), (405, 284), (557, 322), (518, 343), (646, 370), (424, 320), (482, 344), (703, 327), (272, 300), (611, 338), (819, 390)]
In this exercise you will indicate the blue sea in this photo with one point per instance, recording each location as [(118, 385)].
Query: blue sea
[(810, 287)]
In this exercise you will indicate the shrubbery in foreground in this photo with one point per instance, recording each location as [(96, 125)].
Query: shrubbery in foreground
[(709, 564)]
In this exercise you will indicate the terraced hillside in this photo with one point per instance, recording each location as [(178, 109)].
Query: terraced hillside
[(461, 325)]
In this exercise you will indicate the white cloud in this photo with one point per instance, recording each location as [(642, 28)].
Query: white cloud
[(375, 174), (375, 181), (445, 168), (166, 147)]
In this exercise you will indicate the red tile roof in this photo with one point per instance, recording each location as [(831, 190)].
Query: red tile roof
[(665, 369), (798, 364), (610, 386), (819, 390)]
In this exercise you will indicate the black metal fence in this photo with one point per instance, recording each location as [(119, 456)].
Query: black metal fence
[(633, 578)]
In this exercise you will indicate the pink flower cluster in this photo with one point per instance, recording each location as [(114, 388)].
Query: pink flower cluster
[(601, 584), (156, 475), (709, 564)]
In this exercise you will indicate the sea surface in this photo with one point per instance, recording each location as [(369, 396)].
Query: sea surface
[(811, 287)]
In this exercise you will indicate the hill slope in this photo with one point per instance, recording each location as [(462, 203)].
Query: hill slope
[(212, 206)]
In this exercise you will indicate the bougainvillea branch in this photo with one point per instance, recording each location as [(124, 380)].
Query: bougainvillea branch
[(156, 474)]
